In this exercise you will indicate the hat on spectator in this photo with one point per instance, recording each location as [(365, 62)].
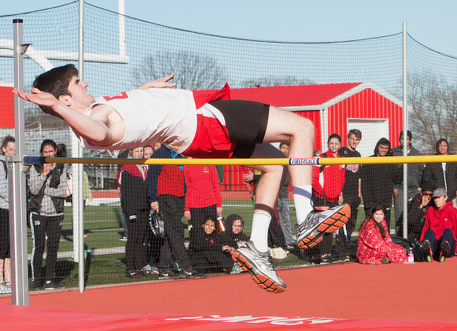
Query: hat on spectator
[(439, 192)]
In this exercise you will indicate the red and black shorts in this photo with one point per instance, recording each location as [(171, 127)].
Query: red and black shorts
[(245, 126)]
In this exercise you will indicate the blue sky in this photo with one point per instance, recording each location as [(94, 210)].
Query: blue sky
[(433, 23)]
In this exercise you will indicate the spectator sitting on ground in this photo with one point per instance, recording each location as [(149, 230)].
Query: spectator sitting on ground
[(438, 234), (417, 209), (203, 195), (234, 225), (375, 245), (209, 251)]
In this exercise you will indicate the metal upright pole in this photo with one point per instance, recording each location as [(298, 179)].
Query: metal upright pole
[(16, 183), (80, 197), (405, 131)]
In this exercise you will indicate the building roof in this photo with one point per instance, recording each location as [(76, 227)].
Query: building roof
[(291, 96)]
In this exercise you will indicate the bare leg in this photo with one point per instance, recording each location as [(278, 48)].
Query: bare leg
[(285, 126)]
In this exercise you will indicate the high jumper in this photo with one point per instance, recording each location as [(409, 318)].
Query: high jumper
[(202, 125)]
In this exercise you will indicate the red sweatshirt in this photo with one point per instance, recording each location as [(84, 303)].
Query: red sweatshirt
[(203, 188), (333, 179), (439, 220)]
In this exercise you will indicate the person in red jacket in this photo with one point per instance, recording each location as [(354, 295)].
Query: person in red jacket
[(438, 235), (328, 183), (203, 195), (375, 245)]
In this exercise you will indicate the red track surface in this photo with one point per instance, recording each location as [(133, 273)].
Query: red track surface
[(422, 293)]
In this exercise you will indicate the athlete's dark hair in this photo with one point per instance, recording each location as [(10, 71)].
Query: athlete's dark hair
[(55, 81), (6, 141), (48, 142), (61, 150), (284, 144)]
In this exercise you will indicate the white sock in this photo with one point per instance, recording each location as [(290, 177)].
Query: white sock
[(259, 231), (302, 199)]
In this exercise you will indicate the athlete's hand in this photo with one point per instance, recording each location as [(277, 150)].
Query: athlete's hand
[(38, 97), (158, 83)]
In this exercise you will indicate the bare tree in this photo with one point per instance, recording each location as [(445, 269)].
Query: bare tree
[(433, 112), (193, 71), (276, 81)]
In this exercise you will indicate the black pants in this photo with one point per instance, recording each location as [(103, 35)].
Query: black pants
[(41, 227), (275, 234), (436, 244), (325, 247), (136, 247), (211, 261), (4, 234), (173, 209), (343, 245), (198, 216)]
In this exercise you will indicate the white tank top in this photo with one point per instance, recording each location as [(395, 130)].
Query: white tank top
[(161, 115)]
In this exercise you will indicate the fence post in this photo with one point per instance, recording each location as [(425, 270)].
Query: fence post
[(405, 130), (16, 183)]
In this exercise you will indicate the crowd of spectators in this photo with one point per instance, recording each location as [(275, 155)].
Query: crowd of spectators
[(194, 192)]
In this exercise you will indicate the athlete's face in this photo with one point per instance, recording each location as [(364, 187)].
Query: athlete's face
[(78, 97), (353, 142), (334, 145), (378, 216), (48, 151), (209, 226)]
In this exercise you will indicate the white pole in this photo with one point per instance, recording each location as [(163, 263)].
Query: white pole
[(16, 183), (405, 136), (80, 197)]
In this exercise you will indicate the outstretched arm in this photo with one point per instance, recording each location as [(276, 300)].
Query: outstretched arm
[(158, 83), (94, 130)]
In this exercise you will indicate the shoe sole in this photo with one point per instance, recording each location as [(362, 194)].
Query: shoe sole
[(329, 225), (428, 253), (264, 282), (443, 254)]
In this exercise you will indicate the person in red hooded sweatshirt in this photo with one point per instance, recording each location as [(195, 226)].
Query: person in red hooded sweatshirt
[(203, 195), (438, 235), (328, 183), (135, 205)]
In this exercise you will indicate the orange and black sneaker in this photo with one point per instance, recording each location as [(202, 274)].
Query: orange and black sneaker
[(260, 266), (310, 232)]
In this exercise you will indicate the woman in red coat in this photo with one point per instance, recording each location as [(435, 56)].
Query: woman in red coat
[(375, 245)]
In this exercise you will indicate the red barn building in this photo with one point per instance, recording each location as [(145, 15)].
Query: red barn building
[(333, 108)]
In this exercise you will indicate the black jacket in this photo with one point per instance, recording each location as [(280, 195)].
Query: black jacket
[(378, 181), (433, 178), (133, 191)]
